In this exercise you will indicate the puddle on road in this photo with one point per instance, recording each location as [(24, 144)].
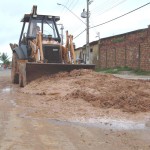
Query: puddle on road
[(6, 90), (118, 124), (105, 123), (97, 123)]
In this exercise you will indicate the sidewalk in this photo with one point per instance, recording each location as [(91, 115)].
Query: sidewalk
[(135, 77)]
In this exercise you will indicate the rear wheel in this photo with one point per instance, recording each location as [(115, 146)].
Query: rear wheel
[(22, 74), (14, 71)]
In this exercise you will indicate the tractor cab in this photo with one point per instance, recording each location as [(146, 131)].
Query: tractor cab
[(33, 23)]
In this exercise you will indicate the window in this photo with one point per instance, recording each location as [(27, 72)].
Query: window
[(48, 28), (23, 37), (91, 50), (35, 26)]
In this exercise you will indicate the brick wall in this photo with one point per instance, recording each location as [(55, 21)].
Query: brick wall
[(145, 56), (130, 49)]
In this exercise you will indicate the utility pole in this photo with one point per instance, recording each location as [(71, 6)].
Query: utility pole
[(86, 14), (99, 54), (62, 35), (87, 36)]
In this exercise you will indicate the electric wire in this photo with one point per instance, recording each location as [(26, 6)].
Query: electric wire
[(102, 13), (104, 7), (66, 5), (63, 7), (92, 17), (71, 4), (114, 19), (120, 16), (108, 9), (101, 5), (75, 4), (69, 9), (79, 34)]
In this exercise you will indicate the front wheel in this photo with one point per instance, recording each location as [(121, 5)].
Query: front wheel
[(22, 75), (14, 69)]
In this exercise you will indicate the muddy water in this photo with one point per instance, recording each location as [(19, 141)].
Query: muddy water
[(6, 90), (106, 124)]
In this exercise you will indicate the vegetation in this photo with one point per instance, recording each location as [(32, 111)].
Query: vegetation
[(141, 72), (4, 58), (118, 40), (117, 70), (114, 70)]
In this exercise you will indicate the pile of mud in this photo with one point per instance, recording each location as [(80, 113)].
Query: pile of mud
[(100, 90)]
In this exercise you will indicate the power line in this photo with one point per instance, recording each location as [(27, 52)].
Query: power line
[(68, 4), (120, 16), (79, 34), (114, 18), (105, 7), (63, 7), (71, 12), (101, 5), (108, 9), (115, 5), (71, 4), (75, 4)]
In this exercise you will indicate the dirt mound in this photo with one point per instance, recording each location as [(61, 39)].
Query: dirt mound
[(100, 90)]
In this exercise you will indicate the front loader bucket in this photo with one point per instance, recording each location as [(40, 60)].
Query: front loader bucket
[(37, 70)]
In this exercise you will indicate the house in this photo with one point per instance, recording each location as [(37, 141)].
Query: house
[(130, 49)]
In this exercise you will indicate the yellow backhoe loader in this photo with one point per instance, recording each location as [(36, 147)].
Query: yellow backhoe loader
[(39, 51)]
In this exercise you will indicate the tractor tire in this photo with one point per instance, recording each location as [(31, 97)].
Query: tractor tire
[(22, 75), (14, 74)]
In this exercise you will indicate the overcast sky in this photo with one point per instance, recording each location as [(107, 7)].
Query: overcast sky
[(11, 12)]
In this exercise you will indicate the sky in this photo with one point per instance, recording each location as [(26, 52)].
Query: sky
[(12, 11)]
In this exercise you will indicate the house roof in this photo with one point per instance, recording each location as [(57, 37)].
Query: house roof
[(114, 36)]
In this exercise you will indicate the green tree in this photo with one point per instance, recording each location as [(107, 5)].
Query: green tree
[(4, 58)]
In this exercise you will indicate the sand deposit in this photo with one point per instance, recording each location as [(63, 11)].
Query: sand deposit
[(97, 90)]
